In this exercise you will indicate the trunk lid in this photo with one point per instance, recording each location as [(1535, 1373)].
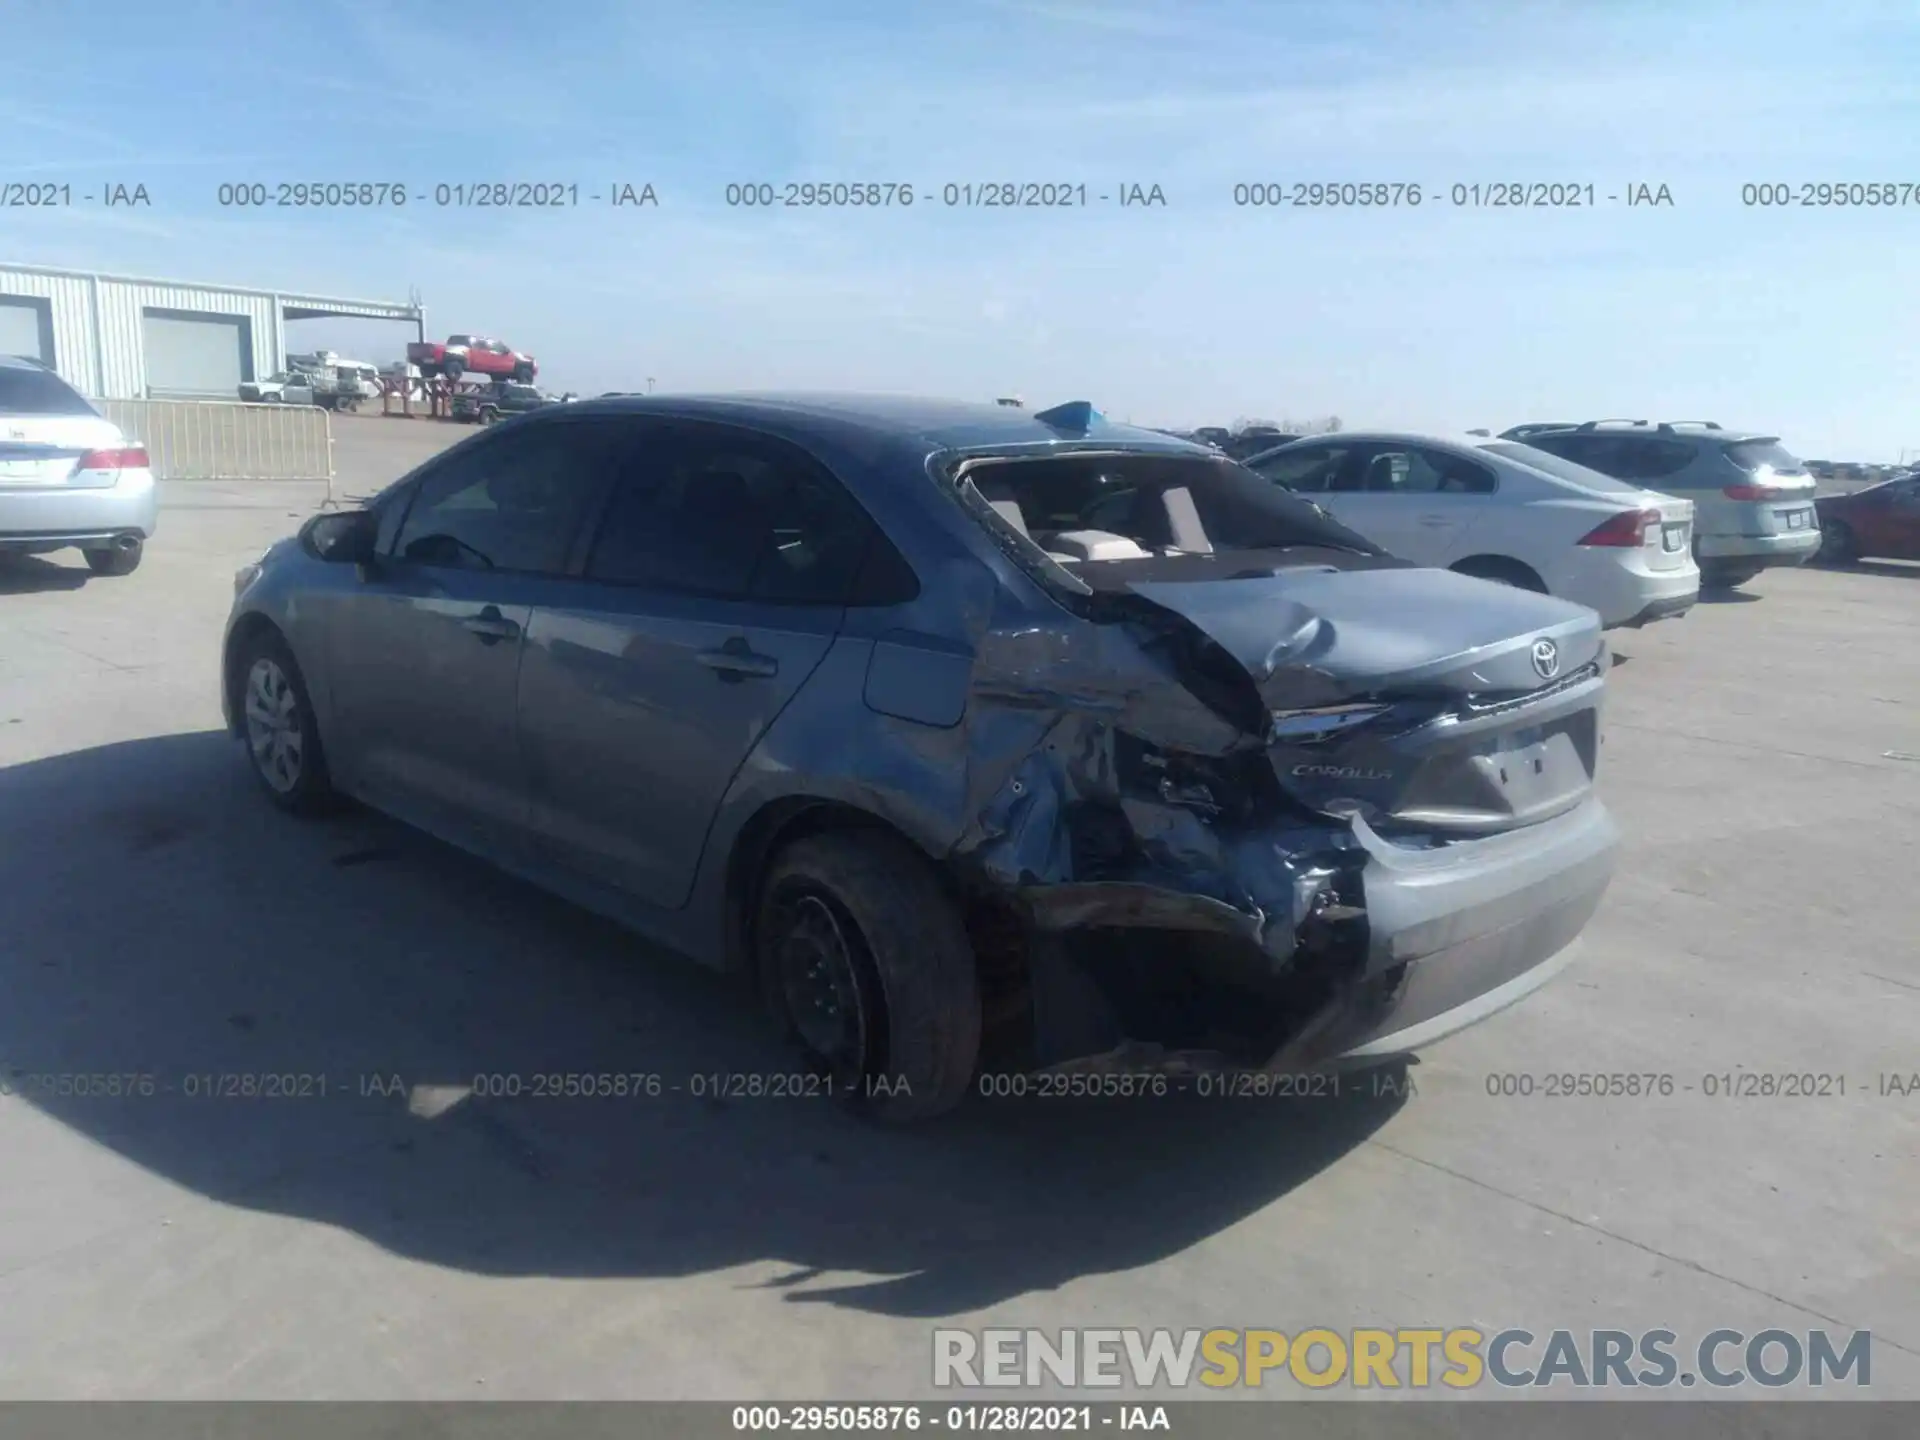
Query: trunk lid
[(1669, 544), (41, 451), (1425, 701)]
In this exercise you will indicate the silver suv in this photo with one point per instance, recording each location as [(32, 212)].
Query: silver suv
[(1752, 500)]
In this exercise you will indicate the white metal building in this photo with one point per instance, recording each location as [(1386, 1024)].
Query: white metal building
[(124, 338)]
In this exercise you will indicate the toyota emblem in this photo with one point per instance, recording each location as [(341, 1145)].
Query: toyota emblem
[(1546, 659)]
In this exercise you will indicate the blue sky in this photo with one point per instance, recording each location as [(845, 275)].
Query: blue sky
[(1798, 320)]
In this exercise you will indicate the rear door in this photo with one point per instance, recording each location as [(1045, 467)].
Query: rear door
[(1415, 501), (424, 654), (714, 584), (1310, 470)]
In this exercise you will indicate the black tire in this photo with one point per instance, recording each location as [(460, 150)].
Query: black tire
[(1503, 571), (311, 790), (115, 562), (489, 414), (1838, 544), (1725, 577), (452, 368), (904, 1011), (523, 373)]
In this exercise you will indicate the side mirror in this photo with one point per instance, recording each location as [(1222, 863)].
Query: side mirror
[(341, 538)]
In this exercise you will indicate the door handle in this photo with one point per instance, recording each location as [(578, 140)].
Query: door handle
[(737, 660), (1435, 522), (490, 625)]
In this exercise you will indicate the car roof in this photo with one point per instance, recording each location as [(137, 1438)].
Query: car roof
[(1664, 430), (22, 362), (1447, 440), (940, 424)]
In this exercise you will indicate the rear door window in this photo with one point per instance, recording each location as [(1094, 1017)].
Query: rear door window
[(732, 515), (1640, 458), (1417, 470), (1307, 471)]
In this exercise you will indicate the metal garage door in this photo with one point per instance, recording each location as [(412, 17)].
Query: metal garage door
[(26, 327), (194, 356)]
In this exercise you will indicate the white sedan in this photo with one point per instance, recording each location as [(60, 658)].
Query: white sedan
[(1501, 510)]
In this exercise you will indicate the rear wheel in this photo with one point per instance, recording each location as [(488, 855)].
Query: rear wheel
[(115, 561), (452, 368), (1504, 571), (1726, 577), (863, 957), (1838, 544)]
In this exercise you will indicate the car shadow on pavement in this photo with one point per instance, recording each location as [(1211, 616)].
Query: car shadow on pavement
[(1909, 570), (29, 574), (169, 923), (1728, 597)]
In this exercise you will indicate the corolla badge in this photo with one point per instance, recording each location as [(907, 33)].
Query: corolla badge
[(1546, 659), (1342, 772)]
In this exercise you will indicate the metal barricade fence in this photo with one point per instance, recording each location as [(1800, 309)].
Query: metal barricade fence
[(228, 440)]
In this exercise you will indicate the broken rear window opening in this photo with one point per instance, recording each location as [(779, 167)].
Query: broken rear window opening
[(1091, 513)]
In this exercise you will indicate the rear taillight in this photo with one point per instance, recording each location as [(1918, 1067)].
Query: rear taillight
[(132, 457), (1626, 530), (1753, 492)]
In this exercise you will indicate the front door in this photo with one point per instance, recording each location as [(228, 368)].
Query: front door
[(425, 654)]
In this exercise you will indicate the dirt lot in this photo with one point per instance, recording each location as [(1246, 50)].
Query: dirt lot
[(163, 920)]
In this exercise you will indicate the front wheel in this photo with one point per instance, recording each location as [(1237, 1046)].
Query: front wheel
[(452, 369), (864, 959), (283, 739)]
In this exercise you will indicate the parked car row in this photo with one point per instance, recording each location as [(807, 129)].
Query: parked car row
[(1630, 518), (1501, 510)]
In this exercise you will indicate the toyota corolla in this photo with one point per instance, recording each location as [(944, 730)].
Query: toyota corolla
[(983, 739)]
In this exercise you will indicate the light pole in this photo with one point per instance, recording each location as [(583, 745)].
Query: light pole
[(649, 384)]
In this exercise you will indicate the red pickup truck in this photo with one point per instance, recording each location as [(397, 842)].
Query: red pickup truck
[(462, 353)]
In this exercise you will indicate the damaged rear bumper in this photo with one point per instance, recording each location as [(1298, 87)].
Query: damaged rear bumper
[(1429, 942), (1468, 930)]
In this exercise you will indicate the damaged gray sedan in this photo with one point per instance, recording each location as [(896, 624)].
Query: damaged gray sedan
[(981, 740)]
